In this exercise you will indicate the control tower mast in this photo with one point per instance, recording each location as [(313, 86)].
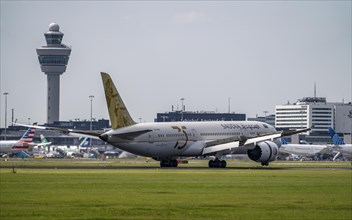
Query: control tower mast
[(53, 59)]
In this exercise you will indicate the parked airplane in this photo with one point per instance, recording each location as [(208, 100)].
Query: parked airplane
[(44, 143), (13, 146), (84, 143), (304, 150), (339, 144), (166, 141), (44, 140)]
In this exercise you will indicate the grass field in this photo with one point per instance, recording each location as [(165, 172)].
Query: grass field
[(281, 191)]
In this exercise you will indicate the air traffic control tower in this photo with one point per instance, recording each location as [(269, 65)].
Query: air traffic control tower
[(53, 59)]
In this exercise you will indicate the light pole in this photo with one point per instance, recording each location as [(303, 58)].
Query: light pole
[(6, 94), (12, 115), (91, 115), (182, 108)]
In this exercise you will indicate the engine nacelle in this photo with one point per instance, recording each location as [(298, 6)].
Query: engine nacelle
[(264, 152)]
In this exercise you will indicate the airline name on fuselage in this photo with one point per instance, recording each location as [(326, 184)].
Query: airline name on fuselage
[(240, 126)]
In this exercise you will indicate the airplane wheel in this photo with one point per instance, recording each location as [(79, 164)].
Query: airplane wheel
[(223, 164), (163, 163), (173, 163), (168, 163), (217, 164), (211, 163)]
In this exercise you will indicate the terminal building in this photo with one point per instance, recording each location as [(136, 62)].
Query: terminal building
[(269, 119), (100, 124), (58, 138), (317, 113), (198, 116)]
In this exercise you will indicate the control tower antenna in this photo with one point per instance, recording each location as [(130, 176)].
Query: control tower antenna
[(229, 107), (53, 59), (315, 89)]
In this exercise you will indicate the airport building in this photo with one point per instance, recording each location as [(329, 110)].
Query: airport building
[(58, 138), (315, 112), (198, 116), (101, 124), (53, 59), (269, 119)]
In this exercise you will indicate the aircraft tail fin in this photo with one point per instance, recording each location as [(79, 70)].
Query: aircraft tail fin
[(335, 137), (43, 139), (28, 135), (84, 143), (283, 141), (119, 116)]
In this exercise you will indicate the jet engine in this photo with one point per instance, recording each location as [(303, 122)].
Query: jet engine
[(264, 152)]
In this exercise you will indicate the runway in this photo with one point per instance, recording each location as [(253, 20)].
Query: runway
[(138, 165)]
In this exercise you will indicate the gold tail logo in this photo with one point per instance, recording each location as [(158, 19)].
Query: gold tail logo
[(119, 116)]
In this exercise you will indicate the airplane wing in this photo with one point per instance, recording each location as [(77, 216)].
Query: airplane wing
[(39, 144), (229, 144), (292, 132), (92, 134), (78, 133)]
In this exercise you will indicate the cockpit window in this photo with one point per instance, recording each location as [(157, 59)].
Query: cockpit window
[(265, 126)]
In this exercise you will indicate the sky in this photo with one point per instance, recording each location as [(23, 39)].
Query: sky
[(258, 54)]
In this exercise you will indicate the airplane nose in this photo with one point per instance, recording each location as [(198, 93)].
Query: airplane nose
[(104, 137)]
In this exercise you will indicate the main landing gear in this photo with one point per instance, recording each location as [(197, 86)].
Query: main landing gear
[(168, 163), (217, 163)]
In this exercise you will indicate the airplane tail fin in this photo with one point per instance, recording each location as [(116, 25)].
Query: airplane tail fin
[(84, 143), (335, 137), (28, 135), (283, 141), (119, 116), (43, 139)]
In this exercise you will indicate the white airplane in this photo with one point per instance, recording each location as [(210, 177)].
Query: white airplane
[(304, 150), (167, 141), (339, 144), (23, 144), (43, 145), (44, 141)]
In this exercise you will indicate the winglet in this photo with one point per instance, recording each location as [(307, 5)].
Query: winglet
[(119, 116)]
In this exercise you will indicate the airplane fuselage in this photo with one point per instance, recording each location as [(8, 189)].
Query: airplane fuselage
[(176, 139), (303, 149), (345, 149), (13, 146)]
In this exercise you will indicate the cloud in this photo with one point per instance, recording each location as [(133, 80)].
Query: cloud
[(190, 17)]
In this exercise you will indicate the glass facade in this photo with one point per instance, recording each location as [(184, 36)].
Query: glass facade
[(53, 60), (317, 114), (53, 38)]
